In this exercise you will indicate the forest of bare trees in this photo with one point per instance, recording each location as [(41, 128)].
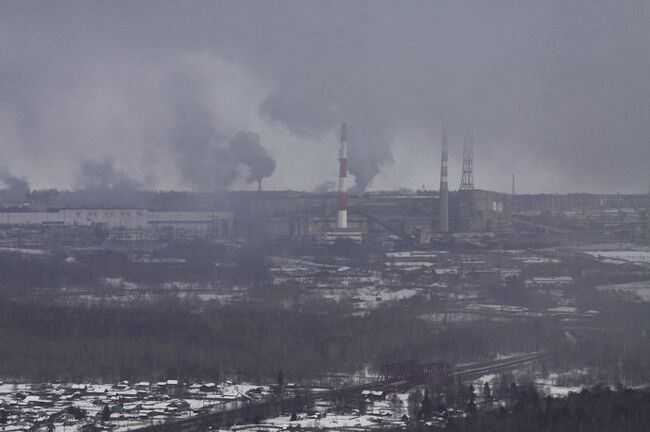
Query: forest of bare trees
[(42, 339), (595, 410)]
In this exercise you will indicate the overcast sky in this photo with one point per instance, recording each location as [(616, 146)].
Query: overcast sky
[(557, 92)]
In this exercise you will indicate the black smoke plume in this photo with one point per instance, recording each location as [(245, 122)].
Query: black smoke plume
[(366, 158), (102, 174), (99, 183), (247, 150), (325, 187), (303, 113), (204, 155), (197, 143), (16, 188)]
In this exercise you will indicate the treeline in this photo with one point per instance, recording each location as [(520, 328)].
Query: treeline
[(45, 340), (246, 265), (596, 410), (609, 356)]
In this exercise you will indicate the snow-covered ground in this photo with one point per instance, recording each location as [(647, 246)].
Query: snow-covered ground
[(531, 260), (329, 421), (639, 290), (621, 256), (132, 405), (450, 317), (571, 311), (561, 384), (369, 297), (119, 282), (372, 297), (551, 389), (519, 311), (23, 251), (384, 412)]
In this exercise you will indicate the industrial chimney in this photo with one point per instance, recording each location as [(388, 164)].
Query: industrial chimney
[(443, 225), (342, 216)]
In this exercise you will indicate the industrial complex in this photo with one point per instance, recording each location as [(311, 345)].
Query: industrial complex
[(408, 218), (515, 283)]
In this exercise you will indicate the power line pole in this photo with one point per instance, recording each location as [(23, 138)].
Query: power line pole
[(467, 180)]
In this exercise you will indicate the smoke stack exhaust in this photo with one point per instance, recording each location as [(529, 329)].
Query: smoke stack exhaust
[(444, 187), (342, 215)]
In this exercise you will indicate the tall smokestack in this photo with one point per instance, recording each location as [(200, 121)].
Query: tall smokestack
[(443, 226), (342, 215)]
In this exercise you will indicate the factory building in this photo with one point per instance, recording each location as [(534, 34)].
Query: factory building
[(544, 203), (301, 216), (287, 216), (479, 211), (130, 223)]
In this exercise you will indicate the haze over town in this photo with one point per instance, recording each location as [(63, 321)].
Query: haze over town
[(368, 216), (554, 91)]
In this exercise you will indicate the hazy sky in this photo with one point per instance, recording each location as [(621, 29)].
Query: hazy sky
[(556, 91)]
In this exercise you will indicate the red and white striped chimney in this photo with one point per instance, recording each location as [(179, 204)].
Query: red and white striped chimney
[(342, 215)]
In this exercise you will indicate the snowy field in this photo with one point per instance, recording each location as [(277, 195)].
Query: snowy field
[(639, 290), (329, 421), (370, 297), (443, 317), (621, 256), (122, 291), (381, 413), (554, 385), (550, 388)]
